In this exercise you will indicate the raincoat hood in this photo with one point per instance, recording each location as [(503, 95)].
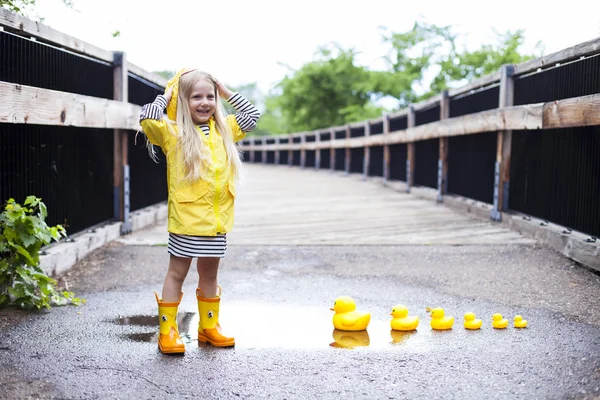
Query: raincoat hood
[(174, 82)]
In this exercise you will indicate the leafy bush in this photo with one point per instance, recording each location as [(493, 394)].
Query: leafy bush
[(23, 232)]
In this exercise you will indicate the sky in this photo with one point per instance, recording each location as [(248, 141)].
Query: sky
[(242, 42)]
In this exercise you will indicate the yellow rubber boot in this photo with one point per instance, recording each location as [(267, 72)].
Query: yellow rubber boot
[(169, 341), (209, 329)]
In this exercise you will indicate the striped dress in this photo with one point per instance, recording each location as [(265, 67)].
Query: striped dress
[(203, 246)]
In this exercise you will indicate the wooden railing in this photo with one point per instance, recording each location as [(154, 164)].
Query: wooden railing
[(33, 105)]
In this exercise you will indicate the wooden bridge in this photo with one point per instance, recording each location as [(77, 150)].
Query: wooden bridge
[(518, 149)]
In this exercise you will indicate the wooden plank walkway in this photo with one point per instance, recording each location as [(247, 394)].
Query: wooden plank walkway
[(282, 205)]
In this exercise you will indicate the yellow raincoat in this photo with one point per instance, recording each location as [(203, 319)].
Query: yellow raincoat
[(205, 207)]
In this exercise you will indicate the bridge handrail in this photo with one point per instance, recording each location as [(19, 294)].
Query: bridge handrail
[(20, 25)]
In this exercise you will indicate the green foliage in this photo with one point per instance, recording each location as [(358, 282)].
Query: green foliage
[(167, 74), (316, 94), (22, 281), (421, 62), (17, 6), (22, 6)]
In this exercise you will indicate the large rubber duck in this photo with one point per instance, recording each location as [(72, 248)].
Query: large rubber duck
[(439, 321), (346, 318), (498, 322), (520, 322), (471, 322), (401, 321), (350, 340)]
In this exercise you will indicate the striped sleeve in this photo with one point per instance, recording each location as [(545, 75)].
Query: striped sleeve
[(154, 110), (247, 114)]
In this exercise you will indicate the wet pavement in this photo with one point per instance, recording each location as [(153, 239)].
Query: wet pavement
[(286, 345), (277, 299)]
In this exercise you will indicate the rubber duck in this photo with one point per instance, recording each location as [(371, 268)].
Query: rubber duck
[(520, 322), (401, 321), (439, 321), (471, 322), (498, 322), (349, 340), (346, 318)]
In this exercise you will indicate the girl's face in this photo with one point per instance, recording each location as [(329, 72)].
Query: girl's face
[(202, 102)]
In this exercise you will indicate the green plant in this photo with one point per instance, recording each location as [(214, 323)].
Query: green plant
[(23, 232)]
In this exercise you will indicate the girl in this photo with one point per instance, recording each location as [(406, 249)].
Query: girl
[(202, 165)]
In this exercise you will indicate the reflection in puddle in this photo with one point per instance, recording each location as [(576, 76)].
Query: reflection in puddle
[(400, 337), (350, 340), (268, 325)]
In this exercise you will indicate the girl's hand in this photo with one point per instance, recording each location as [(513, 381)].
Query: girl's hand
[(168, 94), (223, 91)]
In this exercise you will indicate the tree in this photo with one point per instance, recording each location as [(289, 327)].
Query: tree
[(324, 92), (421, 62)]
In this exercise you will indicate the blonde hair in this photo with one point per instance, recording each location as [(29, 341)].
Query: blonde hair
[(195, 156)]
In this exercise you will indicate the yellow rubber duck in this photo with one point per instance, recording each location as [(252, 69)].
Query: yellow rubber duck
[(346, 318), (350, 340), (520, 322), (400, 319), (498, 322), (471, 322), (439, 321)]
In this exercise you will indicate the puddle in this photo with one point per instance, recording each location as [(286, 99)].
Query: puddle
[(267, 325)]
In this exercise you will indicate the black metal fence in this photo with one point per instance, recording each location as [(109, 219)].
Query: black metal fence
[(554, 173), (71, 168)]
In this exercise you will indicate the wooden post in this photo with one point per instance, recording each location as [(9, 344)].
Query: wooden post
[(386, 148), (252, 151), (121, 203), (503, 149), (277, 151), (302, 150), (410, 152), (290, 151), (263, 142), (317, 150), (348, 153), (443, 160), (331, 150), (367, 154)]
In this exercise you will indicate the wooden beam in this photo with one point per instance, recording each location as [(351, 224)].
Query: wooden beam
[(578, 111), (573, 112), (303, 150), (348, 151), (443, 150), (121, 197), (410, 153), (386, 149), (277, 151), (585, 49), (484, 81), (367, 151), (31, 105), (503, 149), (149, 76), (317, 151), (331, 149), (13, 22)]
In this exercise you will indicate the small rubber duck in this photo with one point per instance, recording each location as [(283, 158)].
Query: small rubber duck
[(439, 321), (498, 322), (471, 322), (350, 340), (346, 318), (520, 322), (401, 321)]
